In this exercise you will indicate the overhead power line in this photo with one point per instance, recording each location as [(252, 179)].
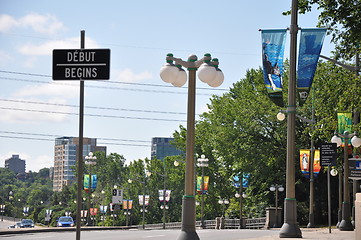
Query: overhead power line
[(92, 115), (105, 82), (89, 107)]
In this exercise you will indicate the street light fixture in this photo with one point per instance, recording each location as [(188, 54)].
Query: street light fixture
[(90, 160), (164, 206), (202, 162), (241, 195), (276, 188), (223, 202), (345, 224), (208, 73), (2, 209), (290, 228), (281, 116), (143, 207)]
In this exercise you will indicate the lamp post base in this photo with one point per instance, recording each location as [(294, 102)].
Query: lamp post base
[(345, 224), (188, 231), (290, 228), (311, 223)]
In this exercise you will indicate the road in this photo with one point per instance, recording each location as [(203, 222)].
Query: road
[(209, 234)]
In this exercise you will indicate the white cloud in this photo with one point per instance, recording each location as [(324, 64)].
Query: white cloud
[(4, 58), (70, 90), (127, 75), (46, 48), (30, 113), (7, 22), (44, 24)]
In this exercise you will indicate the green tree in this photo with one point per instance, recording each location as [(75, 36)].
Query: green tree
[(342, 18)]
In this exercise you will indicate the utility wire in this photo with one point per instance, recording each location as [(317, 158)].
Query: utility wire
[(89, 107), (108, 82), (92, 115), (55, 136)]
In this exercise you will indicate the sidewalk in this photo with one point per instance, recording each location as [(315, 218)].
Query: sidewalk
[(317, 233)]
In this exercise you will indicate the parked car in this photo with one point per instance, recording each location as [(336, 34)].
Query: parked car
[(27, 223), (16, 225), (65, 221)]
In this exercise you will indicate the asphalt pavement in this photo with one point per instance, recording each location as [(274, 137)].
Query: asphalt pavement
[(307, 233), (317, 233)]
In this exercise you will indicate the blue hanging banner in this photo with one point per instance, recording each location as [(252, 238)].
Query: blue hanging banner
[(309, 52), (273, 45), (94, 181)]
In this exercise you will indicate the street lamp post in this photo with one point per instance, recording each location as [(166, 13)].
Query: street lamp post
[(290, 228), (143, 207), (164, 206), (345, 224), (2, 209), (11, 197), (223, 202), (202, 162), (208, 73), (241, 195), (89, 161), (276, 188)]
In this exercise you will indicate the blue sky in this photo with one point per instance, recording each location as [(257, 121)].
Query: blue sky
[(135, 105)]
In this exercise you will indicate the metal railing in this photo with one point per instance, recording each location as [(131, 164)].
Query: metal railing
[(251, 223)]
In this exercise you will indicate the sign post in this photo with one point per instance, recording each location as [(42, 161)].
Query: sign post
[(328, 159), (81, 64)]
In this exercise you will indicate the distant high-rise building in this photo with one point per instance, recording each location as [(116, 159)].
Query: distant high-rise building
[(65, 156), (15, 164), (162, 147)]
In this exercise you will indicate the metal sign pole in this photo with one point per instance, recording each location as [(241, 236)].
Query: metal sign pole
[(80, 148)]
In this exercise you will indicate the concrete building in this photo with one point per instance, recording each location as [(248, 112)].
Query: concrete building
[(162, 147), (65, 157), (15, 164)]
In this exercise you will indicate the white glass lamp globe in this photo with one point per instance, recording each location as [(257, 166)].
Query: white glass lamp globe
[(355, 141), (237, 195), (169, 73), (244, 195), (333, 172), (337, 140), (218, 80), (207, 73), (281, 189), (281, 116), (272, 188), (181, 78)]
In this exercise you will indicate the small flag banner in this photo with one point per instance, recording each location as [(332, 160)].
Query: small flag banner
[(273, 45), (311, 42)]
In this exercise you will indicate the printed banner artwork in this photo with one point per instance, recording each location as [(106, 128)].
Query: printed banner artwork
[(167, 195), (103, 209), (273, 45), (127, 204), (236, 181), (305, 157), (87, 182), (93, 211), (202, 189), (311, 42), (344, 120), (146, 197)]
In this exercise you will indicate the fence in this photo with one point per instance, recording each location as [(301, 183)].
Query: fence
[(251, 223)]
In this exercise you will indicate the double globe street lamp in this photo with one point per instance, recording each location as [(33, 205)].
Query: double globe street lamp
[(345, 224), (208, 72), (276, 188)]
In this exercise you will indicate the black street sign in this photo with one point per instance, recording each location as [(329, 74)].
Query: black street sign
[(81, 64), (355, 168), (328, 154)]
